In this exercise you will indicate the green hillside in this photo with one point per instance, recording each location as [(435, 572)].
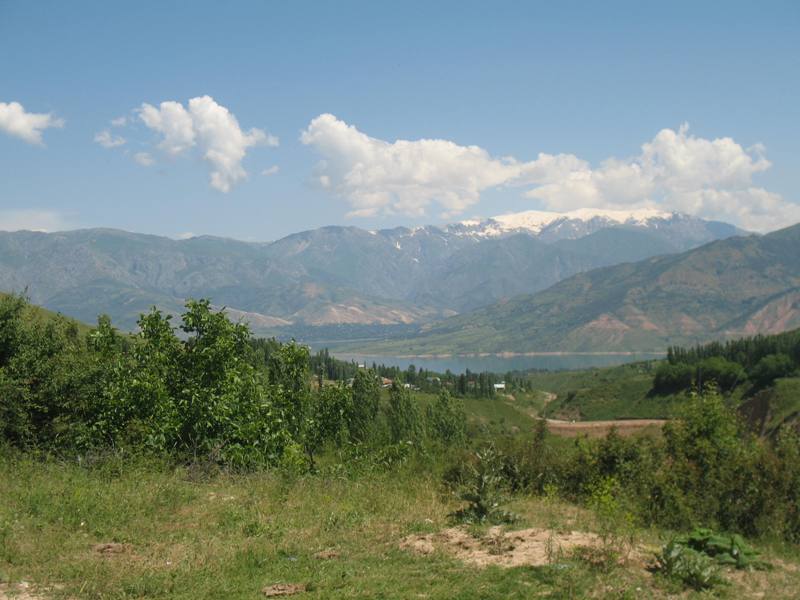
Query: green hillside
[(37, 314), (728, 288)]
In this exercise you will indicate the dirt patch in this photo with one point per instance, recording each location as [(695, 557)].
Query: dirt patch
[(284, 589), (532, 547), (326, 555), (19, 591), (111, 548), (625, 427)]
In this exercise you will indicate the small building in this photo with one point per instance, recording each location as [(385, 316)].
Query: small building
[(498, 387)]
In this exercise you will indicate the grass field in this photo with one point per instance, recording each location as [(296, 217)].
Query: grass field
[(145, 531)]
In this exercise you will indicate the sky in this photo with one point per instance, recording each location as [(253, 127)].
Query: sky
[(255, 120)]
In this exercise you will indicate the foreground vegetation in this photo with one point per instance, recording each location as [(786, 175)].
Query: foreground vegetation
[(208, 464), (147, 530)]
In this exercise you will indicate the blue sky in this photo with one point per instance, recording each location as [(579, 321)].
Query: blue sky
[(523, 105)]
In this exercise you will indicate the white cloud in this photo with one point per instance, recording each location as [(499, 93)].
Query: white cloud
[(212, 129), (144, 159), (186, 235), (14, 120), (273, 170), (673, 171), (108, 140), (119, 121), (406, 177), (31, 220)]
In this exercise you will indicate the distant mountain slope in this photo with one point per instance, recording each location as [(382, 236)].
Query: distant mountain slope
[(336, 274), (737, 286)]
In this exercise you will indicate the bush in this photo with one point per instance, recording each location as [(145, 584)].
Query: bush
[(691, 568), (672, 378), (482, 491), (770, 368), (725, 373)]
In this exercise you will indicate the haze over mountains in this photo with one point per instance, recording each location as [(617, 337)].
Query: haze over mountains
[(337, 275), (727, 288)]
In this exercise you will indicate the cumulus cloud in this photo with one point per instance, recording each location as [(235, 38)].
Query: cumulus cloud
[(144, 159), (27, 126), (119, 121), (108, 140), (212, 129), (404, 176), (673, 171), (31, 220)]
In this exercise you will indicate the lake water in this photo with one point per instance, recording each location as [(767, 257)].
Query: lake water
[(502, 364)]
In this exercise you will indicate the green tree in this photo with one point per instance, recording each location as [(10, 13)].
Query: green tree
[(447, 421), (770, 368), (325, 419), (403, 416), (288, 369), (365, 405), (725, 373)]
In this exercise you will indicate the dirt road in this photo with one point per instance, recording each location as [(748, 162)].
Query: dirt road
[(600, 428)]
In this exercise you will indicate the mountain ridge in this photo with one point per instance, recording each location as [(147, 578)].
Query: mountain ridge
[(726, 288), (333, 274)]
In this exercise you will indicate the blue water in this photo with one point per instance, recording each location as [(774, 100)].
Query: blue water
[(501, 364)]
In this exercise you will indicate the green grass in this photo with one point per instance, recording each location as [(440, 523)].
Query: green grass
[(610, 393), (189, 535)]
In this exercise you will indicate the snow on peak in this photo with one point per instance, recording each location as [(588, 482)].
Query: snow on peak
[(537, 220)]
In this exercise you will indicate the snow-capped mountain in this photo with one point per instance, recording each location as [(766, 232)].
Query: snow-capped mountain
[(584, 220), (546, 226), (336, 275), (572, 225)]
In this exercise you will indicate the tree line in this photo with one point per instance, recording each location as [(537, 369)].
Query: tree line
[(757, 360)]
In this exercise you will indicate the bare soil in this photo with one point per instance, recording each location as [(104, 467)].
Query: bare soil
[(625, 427), (18, 591), (532, 547), (284, 589)]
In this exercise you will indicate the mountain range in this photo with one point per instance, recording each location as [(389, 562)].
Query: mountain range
[(727, 288), (335, 276)]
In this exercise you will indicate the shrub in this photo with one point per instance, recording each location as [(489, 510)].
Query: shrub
[(725, 373), (671, 378), (691, 568), (770, 368), (482, 491)]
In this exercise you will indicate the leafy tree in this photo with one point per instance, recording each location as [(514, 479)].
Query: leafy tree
[(447, 421), (325, 418), (365, 404), (671, 378), (11, 307), (770, 368), (725, 373), (288, 368), (403, 416)]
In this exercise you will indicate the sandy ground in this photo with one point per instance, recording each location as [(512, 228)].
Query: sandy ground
[(531, 547)]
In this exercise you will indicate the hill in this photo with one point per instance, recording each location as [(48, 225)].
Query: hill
[(335, 275), (724, 289)]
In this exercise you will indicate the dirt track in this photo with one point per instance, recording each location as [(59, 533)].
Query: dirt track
[(601, 428)]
